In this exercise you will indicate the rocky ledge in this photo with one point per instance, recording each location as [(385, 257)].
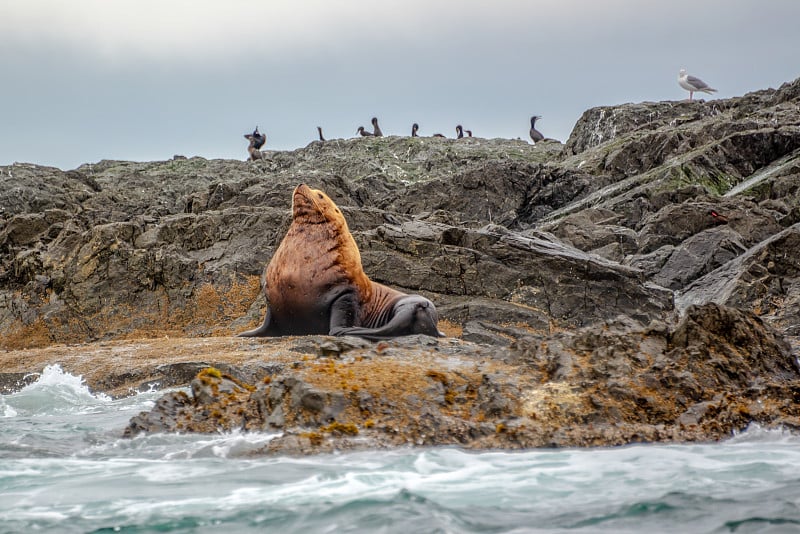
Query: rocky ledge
[(617, 382), (639, 282)]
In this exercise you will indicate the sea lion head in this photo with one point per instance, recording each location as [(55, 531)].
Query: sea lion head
[(318, 222), (312, 206)]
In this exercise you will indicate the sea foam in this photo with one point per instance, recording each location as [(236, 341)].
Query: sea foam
[(54, 392)]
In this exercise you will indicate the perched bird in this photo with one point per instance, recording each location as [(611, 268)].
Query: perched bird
[(459, 131), (320, 134), (438, 135), (535, 134), (376, 129), (363, 132), (693, 84), (257, 140), (468, 132), (414, 128)]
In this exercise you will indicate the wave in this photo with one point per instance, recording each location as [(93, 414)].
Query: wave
[(54, 392), (234, 444)]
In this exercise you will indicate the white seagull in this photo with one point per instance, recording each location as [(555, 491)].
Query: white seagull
[(693, 84)]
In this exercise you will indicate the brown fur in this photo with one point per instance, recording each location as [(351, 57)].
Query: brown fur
[(315, 283), (317, 255)]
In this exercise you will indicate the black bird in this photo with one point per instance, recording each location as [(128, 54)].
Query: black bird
[(414, 128), (257, 140), (536, 135), (459, 132), (363, 132), (377, 129), (468, 132), (320, 134)]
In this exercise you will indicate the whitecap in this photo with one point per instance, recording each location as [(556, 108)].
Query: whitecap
[(55, 392), (168, 446), (755, 433), (6, 411)]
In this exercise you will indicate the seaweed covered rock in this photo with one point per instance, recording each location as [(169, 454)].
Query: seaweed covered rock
[(712, 372)]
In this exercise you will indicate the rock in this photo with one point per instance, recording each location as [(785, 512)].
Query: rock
[(706, 374), (765, 279), (164, 417), (698, 255), (544, 263)]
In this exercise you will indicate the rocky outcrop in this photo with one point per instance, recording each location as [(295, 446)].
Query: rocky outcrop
[(649, 209), (714, 372)]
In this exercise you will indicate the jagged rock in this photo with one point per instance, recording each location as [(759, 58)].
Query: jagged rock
[(765, 278), (162, 418), (698, 255)]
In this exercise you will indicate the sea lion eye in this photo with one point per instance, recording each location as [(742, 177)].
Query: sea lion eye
[(319, 195)]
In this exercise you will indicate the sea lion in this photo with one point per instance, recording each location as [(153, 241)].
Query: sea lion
[(315, 283)]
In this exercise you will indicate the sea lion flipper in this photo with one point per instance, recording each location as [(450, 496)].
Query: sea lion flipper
[(266, 329), (343, 313), (412, 314)]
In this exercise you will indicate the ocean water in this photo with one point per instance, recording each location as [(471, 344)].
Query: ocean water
[(65, 468)]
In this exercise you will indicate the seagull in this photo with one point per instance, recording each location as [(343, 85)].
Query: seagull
[(536, 135), (693, 84)]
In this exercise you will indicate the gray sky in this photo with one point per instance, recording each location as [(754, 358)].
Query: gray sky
[(85, 80)]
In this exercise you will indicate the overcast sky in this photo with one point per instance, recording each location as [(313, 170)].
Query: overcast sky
[(85, 80)]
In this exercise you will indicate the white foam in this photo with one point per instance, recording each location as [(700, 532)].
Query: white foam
[(755, 433), (6, 410), (55, 391), (160, 446)]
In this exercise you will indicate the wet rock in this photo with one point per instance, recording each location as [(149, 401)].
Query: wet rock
[(702, 376), (164, 417), (12, 382)]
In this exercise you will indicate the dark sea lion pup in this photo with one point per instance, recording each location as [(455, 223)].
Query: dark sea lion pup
[(315, 283)]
